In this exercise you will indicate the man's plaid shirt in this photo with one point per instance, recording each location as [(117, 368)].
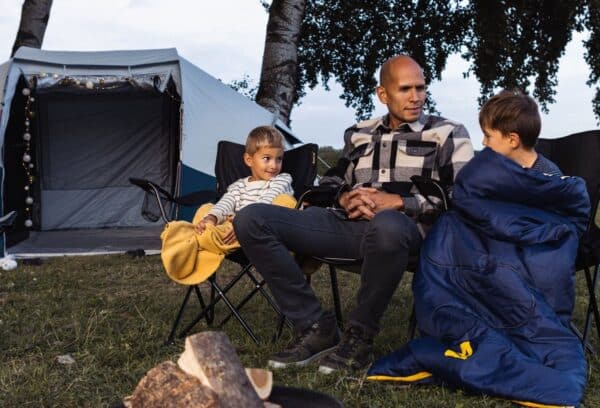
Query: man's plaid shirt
[(376, 156)]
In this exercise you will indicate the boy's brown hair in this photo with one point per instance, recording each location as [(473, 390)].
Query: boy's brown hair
[(512, 112), (263, 136)]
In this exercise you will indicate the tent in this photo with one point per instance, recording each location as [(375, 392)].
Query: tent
[(75, 126)]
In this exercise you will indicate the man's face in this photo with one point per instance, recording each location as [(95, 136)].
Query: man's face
[(404, 93)]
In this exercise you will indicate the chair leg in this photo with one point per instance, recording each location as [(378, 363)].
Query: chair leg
[(243, 322), (336, 296), (213, 278), (196, 289), (259, 287), (592, 309), (280, 323), (171, 337), (240, 274), (211, 313), (220, 295), (412, 324)]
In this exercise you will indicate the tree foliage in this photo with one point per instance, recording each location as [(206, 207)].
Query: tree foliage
[(512, 43), (350, 39), (509, 43), (246, 86), (592, 56)]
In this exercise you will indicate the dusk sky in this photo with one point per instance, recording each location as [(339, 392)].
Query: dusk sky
[(226, 39)]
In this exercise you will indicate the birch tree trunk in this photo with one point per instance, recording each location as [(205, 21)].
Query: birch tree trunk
[(279, 74), (34, 20)]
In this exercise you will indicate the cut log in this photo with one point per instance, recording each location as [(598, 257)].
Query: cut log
[(261, 380), (212, 358), (167, 386)]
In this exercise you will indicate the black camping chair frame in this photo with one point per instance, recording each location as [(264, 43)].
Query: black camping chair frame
[(217, 293), (228, 168), (433, 192), (577, 155), (7, 221)]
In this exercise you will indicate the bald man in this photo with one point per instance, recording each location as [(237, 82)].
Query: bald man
[(375, 219)]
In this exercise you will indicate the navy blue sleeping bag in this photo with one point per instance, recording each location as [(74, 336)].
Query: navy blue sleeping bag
[(494, 291)]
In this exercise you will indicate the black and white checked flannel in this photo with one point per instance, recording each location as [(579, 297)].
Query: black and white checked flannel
[(376, 156)]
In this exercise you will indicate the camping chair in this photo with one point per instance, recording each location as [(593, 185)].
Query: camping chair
[(7, 221), (300, 163), (433, 192), (579, 155)]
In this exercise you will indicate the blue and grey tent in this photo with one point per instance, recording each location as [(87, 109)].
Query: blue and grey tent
[(87, 122)]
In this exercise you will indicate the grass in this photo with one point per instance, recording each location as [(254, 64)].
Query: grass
[(112, 314)]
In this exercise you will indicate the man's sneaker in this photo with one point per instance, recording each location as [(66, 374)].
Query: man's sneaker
[(353, 353), (312, 343)]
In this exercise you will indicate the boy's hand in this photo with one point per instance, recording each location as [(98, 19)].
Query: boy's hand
[(201, 226), (229, 237)]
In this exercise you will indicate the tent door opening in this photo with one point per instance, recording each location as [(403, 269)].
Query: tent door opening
[(86, 146)]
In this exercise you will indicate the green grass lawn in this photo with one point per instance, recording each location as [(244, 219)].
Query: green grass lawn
[(112, 314)]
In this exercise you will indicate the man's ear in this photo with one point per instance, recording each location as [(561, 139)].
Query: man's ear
[(382, 94), (248, 160)]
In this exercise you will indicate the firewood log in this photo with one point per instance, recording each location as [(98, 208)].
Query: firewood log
[(167, 386), (212, 358), (261, 380)]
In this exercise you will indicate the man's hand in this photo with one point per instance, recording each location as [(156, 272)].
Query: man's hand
[(365, 202)]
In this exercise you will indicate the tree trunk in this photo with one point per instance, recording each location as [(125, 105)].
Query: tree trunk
[(168, 386), (279, 74), (34, 20), (212, 358)]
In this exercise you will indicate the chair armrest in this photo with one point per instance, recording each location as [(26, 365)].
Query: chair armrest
[(7, 221), (151, 187), (320, 196), (158, 192), (428, 188), (196, 198)]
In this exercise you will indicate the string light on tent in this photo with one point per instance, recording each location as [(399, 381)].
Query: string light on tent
[(27, 160)]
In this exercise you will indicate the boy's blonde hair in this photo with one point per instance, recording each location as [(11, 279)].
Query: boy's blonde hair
[(263, 136)]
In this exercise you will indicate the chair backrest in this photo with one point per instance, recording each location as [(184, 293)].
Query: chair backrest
[(578, 155), (300, 163)]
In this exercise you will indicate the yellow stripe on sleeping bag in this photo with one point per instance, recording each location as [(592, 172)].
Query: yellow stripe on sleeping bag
[(411, 378), (536, 405), (466, 351)]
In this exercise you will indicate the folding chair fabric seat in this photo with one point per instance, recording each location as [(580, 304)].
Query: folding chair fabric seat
[(299, 162), (578, 154)]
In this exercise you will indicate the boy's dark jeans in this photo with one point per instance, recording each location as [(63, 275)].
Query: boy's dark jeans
[(267, 234)]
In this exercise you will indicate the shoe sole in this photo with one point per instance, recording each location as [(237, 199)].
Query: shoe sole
[(323, 369), (279, 364), (327, 370)]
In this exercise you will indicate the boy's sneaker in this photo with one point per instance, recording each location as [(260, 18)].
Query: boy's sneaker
[(353, 353), (312, 343)]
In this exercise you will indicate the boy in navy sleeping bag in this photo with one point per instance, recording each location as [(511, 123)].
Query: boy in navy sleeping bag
[(511, 124), (494, 291)]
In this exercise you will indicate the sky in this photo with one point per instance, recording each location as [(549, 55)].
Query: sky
[(226, 39)]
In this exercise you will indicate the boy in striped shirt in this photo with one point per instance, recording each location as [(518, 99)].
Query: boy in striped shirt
[(264, 157)]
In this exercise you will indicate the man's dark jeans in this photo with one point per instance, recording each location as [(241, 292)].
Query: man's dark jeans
[(267, 234)]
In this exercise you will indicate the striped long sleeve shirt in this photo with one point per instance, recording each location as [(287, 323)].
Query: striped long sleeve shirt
[(244, 192), (375, 155)]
